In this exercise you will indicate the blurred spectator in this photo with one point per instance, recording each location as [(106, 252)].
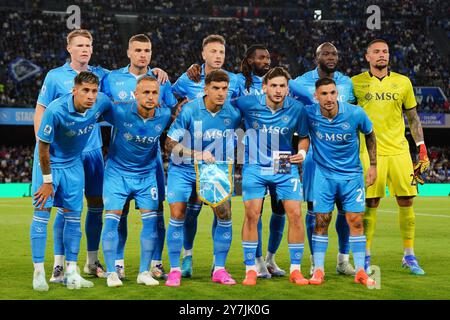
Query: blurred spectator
[(16, 164)]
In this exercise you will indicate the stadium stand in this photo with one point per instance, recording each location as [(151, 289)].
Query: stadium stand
[(177, 36)]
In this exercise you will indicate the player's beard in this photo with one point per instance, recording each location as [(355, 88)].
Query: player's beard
[(260, 72), (327, 69), (381, 66)]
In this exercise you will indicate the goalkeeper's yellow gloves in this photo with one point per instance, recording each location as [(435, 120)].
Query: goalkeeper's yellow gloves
[(422, 165)]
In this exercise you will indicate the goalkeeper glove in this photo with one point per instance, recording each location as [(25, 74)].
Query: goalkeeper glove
[(422, 165)]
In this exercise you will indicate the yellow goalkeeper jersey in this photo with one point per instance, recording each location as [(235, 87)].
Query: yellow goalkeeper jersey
[(384, 101)]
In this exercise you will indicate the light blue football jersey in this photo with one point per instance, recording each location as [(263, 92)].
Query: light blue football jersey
[(197, 128), (268, 131), (67, 130), (336, 142), (187, 88), (120, 85), (303, 87), (58, 82), (135, 141)]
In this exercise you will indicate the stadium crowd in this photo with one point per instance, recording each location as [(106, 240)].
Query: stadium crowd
[(177, 39)]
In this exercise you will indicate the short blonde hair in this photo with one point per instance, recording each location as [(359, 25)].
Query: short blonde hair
[(79, 33)]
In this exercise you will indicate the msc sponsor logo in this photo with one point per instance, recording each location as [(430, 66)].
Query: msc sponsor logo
[(86, 130), (385, 96), (333, 136), (216, 134), (274, 129)]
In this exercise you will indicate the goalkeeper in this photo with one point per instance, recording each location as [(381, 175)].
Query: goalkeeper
[(384, 95)]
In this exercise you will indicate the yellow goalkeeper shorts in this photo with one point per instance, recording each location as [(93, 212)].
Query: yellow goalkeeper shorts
[(394, 171)]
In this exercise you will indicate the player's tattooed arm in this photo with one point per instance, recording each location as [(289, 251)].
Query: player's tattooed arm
[(46, 190), (371, 144), (177, 149), (322, 222), (415, 125), (223, 211), (44, 157)]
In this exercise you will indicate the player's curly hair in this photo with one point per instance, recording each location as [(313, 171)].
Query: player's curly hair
[(276, 72), (246, 67)]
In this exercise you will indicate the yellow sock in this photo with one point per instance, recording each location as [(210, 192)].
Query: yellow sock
[(369, 219), (407, 222)]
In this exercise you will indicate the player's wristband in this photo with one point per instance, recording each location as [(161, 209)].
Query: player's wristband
[(48, 178), (420, 143), (302, 152)]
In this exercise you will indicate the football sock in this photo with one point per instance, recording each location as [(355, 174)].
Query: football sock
[(161, 230), (123, 234), (343, 232), (38, 235), (310, 225), (72, 235), (358, 247), (407, 221), (175, 241), (296, 253), (320, 244), (249, 248), (58, 228), (110, 238), (222, 241), (277, 223), (369, 219), (190, 224), (93, 227), (149, 239)]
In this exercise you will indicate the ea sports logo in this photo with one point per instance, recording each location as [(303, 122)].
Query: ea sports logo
[(368, 96)]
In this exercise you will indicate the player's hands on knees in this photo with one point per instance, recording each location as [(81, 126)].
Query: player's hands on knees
[(194, 72), (371, 176), (44, 192), (161, 75)]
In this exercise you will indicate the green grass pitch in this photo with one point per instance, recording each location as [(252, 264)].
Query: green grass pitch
[(432, 249)]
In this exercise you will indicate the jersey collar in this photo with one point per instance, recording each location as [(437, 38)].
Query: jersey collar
[(70, 104), (372, 76), (67, 67)]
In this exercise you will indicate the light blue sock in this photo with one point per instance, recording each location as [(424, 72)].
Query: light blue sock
[(72, 235), (358, 247), (190, 224), (343, 232), (296, 252), (149, 239), (38, 235), (277, 223), (249, 248), (259, 247), (123, 234), (58, 228), (161, 230), (320, 244), (110, 238), (175, 241), (93, 227), (310, 225), (222, 241)]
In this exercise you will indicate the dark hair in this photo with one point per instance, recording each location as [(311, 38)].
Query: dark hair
[(218, 76), (86, 76), (324, 82), (213, 38), (140, 38), (376, 41), (246, 67), (276, 72), (146, 78)]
